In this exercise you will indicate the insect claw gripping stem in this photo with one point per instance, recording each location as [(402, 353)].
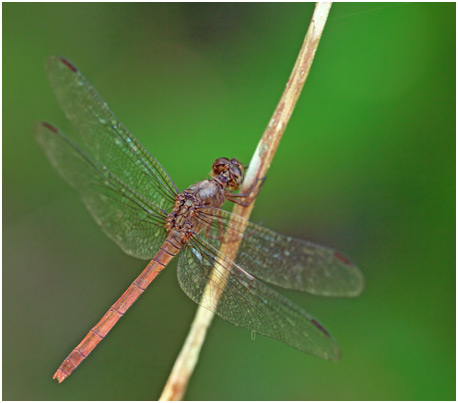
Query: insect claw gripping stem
[(245, 199)]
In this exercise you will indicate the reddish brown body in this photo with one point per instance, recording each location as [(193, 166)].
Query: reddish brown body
[(168, 250), (181, 224)]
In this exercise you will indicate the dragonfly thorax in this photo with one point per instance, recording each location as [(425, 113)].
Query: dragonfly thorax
[(184, 216)]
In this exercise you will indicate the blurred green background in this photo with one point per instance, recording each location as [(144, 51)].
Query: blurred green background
[(366, 166)]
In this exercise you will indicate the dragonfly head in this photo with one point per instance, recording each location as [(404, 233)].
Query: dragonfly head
[(230, 172)]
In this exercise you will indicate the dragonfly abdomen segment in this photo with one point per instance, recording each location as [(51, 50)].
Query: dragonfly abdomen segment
[(166, 253)]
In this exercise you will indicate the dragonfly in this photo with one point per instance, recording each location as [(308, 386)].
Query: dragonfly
[(138, 206)]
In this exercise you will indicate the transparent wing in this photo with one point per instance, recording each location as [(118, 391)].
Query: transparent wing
[(133, 222), (282, 260), (246, 302), (106, 138)]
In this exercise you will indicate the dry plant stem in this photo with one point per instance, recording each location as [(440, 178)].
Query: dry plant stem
[(260, 163)]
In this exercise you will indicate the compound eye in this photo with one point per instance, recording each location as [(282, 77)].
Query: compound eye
[(236, 171), (221, 160), (219, 165)]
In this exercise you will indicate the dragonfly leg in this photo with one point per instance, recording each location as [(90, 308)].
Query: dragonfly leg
[(245, 199)]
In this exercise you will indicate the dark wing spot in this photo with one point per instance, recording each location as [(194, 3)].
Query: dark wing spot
[(50, 127), (343, 259), (69, 65), (320, 326)]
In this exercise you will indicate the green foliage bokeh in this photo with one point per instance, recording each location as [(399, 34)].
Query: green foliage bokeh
[(366, 166)]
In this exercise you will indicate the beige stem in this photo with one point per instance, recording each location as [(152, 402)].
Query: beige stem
[(259, 164)]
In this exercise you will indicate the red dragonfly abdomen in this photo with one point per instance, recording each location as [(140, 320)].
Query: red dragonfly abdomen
[(166, 253)]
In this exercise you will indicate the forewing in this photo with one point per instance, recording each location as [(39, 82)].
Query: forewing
[(105, 137), (244, 301), (282, 260), (134, 223)]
